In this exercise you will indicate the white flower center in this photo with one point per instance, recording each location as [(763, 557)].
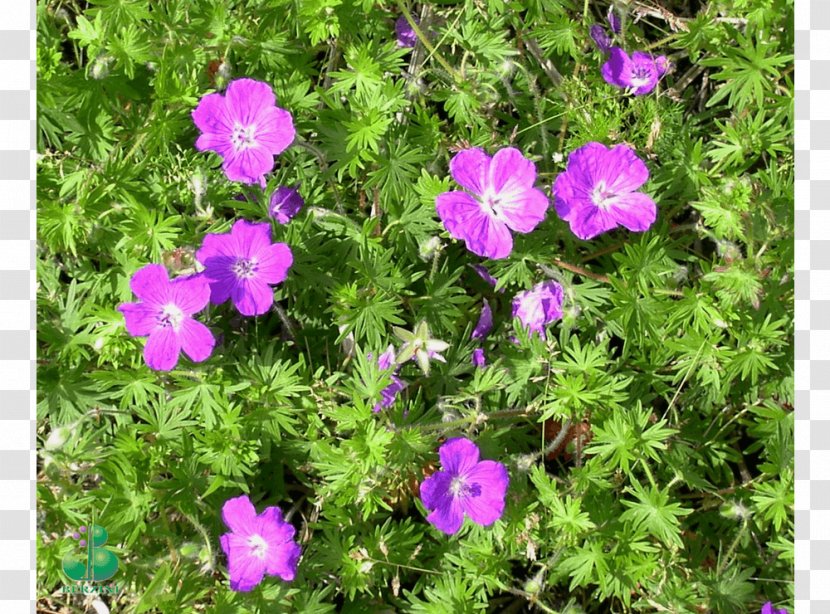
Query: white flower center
[(243, 137), (602, 197), (171, 317), (244, 268), (258, 546), (640, 76), (460, 488), (490, 202)]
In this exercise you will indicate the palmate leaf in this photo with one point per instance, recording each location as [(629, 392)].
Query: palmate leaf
[(586, 565), (653, 512), (750, 69)]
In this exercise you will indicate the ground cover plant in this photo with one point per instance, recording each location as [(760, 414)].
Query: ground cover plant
[(478, 306)]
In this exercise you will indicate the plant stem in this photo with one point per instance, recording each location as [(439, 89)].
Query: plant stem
[(432, 50), (580, 271), (645, 466), (477, 417)]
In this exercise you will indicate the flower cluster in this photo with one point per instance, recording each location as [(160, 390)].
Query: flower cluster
[(246, 128), (597, 192)]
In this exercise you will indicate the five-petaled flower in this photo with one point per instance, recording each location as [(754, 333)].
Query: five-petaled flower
[(639, 72), (598, 191), (539, 306), (768, 608), (502, 198), (243, 264), (165, 316), (257, 544), (245, 127), (285, 203), (464, 485)]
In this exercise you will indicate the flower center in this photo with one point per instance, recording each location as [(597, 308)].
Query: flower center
[(602, 197), (258, 546), (244, 268), (460, 488), (171, 317), (490, 203), (640, 76), (243, 137)]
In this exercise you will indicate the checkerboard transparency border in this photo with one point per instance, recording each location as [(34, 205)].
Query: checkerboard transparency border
[(812, 306), (17, 307)]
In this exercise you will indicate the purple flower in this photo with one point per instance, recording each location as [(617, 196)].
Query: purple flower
[(539, 306), (601, 38), (245, 127), (614, 20), (485, 322), (768, 609), (598, 191), (405, 33), (478, 358), (165, 316), (638, 72), (464, 486), (505, 200), (285, 203), (257, 544), (390, 393), (242, 265)]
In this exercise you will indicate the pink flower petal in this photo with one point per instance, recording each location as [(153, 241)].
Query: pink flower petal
[(140, 318), (161, 352), (197, 340), (247, 98), (252, 297), (458, 455), (635, 211), (274, 263), (150, 283), (470, 169), (511, 173)]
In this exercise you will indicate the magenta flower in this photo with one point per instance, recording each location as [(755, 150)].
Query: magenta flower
[(165, 316), (257, 544), (285, 204), (245, 127), (478, 358), (465, 485), (598, 191), (503, 199), (767, 608), (242, 265), (600, 37), (405, 33), (539, 306), (390, 393), (639, 73), (485, 322)]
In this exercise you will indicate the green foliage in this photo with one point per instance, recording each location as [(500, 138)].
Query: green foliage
[(669, 376)]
